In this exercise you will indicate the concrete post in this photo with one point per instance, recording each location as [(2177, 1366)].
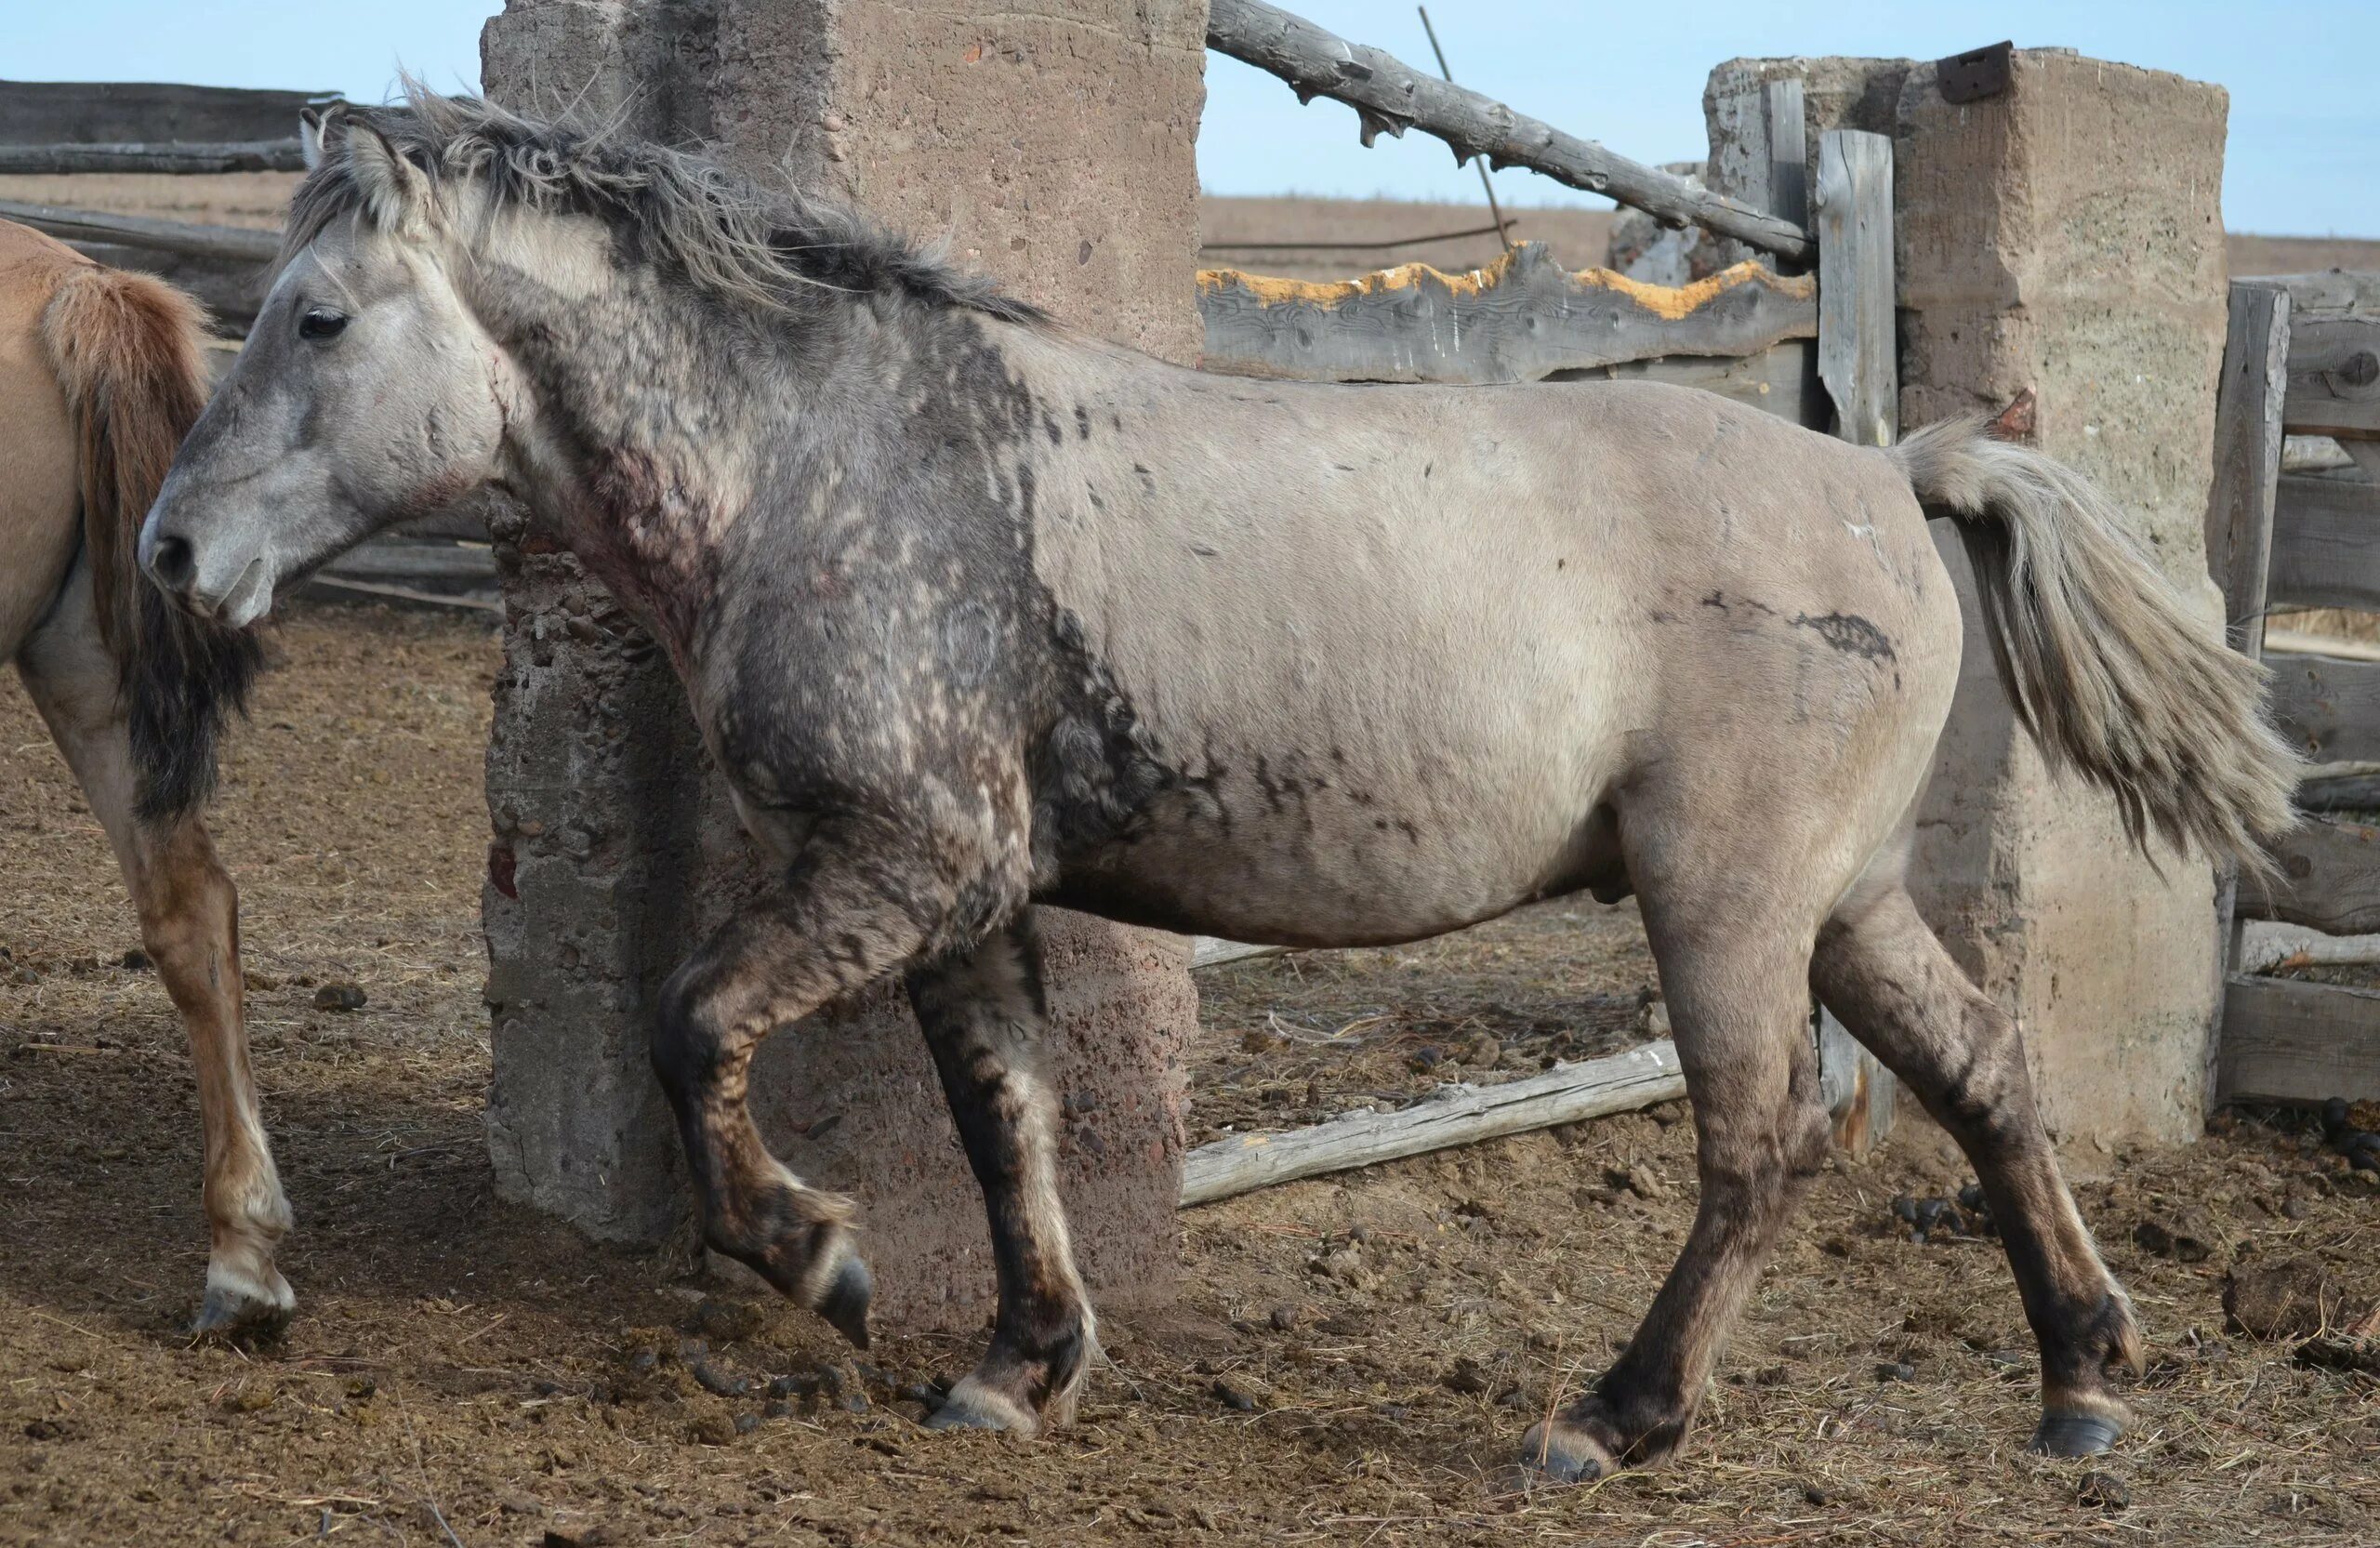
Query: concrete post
[(2062, 236), (1055, 146)]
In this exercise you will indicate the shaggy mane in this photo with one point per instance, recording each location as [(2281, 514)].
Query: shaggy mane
[(770, 249)]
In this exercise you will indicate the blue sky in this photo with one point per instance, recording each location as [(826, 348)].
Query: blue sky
[(2304, 158)]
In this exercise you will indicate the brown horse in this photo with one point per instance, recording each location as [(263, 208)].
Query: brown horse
[(101, 375)]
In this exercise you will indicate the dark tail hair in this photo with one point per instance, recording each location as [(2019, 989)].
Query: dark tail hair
[(2107, 667), (128, 352)]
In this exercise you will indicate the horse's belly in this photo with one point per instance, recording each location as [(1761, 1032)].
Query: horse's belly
[(1301, 857)]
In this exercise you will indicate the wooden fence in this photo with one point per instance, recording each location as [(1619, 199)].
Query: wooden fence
[(2303, 358)]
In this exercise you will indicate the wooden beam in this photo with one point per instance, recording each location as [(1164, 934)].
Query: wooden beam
[(1458, 1115), (2325, 544), (1210, 951), (1783, 379), (1522, 318), (171, 155), (234, 244), (1388, 95), (2284, 1040), (2247, 455), (2331, 879), (2358, 792), (1859, 359), (2334, 376), (2329, 707), (1785, 130), (47, 113)]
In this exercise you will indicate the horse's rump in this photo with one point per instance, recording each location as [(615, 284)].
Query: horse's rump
[(127, 353)]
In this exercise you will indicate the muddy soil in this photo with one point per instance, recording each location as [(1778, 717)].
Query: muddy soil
[(1352, 1361)]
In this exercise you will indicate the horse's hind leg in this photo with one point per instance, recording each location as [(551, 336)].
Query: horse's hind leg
[(853, 908), (190, 925), (983, 1015), (1733, 948), (1884, 974)]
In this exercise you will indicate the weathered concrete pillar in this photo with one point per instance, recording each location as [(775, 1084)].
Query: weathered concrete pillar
[(1055, 146), (2062, 236)]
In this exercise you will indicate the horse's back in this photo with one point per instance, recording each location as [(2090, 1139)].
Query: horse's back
[(37, 460)]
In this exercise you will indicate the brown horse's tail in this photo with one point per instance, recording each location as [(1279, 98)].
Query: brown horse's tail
[(2107, 669), (128, 352)]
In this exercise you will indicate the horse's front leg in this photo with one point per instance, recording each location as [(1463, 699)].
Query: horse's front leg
[(983, 1013), (856, 903)]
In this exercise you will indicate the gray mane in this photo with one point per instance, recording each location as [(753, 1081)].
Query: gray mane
[(774, 250)]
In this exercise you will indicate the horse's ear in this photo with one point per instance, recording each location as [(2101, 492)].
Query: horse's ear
[(396, 192), (318, 126)]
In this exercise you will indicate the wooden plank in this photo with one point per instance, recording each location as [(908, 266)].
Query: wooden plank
[(2329, 707), (2331, 879), (1786, 137), (233, 244), (2284, 1040), (2325, 544), (1521, 319), (1213, 951), (1458, 1115), (1783, 379), (170, 155), (1391, 95), (2355, 792), (2247, 455), (1859, 359), (2334, 376), (49, 113), (2332, 293)]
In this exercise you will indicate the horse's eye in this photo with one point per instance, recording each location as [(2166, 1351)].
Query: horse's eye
[(321, 322)]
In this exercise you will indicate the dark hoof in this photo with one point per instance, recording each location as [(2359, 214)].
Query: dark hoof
[(1554, 1453), (236, 1315), (2075, 1434), (847, 1300)]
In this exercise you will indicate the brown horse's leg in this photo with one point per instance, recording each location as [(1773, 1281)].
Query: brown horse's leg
[(191, 927), (1885, 975), (1736, 973), (851, 911), (983, 1016)]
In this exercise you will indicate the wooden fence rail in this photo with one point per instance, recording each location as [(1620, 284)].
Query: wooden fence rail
[(228, 243), (1389, 95), (171, 155)]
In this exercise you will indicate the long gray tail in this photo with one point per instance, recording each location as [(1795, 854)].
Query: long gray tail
[(2108, 671)]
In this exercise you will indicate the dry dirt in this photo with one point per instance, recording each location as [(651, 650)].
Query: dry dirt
[(462, 1372)]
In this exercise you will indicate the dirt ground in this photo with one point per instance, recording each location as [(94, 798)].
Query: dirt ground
[(1353, 1360)]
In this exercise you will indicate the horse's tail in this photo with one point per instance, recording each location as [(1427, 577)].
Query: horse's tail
[(2107, 667), (128, 352)]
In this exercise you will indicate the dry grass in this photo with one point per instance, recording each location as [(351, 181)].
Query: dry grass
[(461, 1367)]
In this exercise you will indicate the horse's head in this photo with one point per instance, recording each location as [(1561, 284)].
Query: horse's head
[(368, 392)]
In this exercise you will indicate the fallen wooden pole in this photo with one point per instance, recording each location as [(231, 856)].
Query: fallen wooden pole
[(1387, 94), (172, 155), (233, 244), (1458, 1115)]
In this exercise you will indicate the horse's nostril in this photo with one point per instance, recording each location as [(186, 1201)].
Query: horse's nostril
[(171, 564)]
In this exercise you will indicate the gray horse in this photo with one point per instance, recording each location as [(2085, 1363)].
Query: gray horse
[(976, 613)]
